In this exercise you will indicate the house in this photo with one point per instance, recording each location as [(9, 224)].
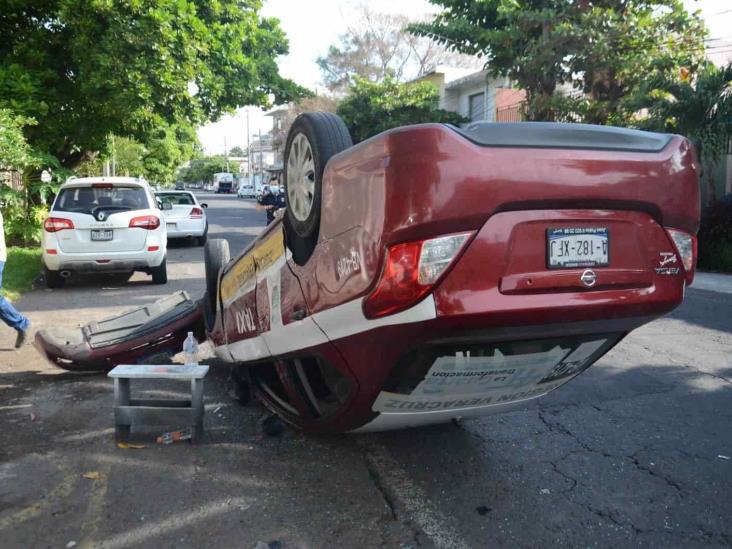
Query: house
[(282, 117), (475, 94)]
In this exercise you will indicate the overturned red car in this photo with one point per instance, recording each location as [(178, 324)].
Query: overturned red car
[(434, 272)]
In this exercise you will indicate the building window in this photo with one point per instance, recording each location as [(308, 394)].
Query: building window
[(476, 107)]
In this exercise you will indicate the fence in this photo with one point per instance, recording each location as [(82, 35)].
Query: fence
[(13, 179), (512, 113)]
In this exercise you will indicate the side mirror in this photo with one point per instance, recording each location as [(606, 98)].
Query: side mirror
[(204, 205), (167, 206)]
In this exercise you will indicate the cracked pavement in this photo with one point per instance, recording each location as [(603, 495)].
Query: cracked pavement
[(626, 454)]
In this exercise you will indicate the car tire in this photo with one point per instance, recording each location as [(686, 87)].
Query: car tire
[(160, 273), (326, 135), (54, 279), (201, 240), (216, 254)]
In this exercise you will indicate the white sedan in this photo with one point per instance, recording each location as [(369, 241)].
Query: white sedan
[(185, 216), (104, 224)]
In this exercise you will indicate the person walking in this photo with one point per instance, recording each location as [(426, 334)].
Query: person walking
[(8, 313)]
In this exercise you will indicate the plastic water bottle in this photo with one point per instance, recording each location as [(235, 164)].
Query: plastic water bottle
[(190, 350)]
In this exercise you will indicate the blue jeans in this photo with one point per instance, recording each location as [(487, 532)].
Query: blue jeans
[(8, 313)]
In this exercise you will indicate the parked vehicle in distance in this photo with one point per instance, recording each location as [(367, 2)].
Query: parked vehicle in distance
[(104, 224), (180, 186), (435, 272), (185, 216), (223, 182), (246, 190)]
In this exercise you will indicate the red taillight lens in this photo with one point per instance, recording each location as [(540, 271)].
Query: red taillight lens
[(55, 224), (196, 213), (685, 244), (149, 222), (102, 186), (410, 272)]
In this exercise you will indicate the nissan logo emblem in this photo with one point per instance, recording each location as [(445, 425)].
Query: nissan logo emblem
[(100, 217), (589, 278)]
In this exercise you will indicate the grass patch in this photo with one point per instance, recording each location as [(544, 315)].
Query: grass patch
[(21, 269)]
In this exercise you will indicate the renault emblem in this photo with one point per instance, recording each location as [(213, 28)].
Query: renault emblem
[(589, 278), (100, 217)]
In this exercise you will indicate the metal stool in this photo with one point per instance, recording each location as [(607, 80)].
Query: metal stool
[(137, 411)]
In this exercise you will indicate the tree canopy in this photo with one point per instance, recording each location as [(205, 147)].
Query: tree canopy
[(698, 107), (15, 152), (202, 169), (601, 48), (371, 108), (378, 46), (87, 69)]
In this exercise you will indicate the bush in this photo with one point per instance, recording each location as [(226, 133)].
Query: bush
[(373, 107), (715, 237)]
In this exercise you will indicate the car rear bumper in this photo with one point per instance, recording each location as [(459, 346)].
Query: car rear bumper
[(186, 228), (108, 262)]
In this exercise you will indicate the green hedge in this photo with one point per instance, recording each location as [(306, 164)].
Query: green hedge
[(715, 255)]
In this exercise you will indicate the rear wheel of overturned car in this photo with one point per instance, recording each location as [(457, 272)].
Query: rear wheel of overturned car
[(160, 273), (313, 139), (215, 255), (53, 278)]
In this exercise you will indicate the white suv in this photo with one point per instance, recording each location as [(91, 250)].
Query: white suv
[(104, 224)]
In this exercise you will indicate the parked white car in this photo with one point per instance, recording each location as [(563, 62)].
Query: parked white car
[(185, 216), (246, 190), (104, 224)]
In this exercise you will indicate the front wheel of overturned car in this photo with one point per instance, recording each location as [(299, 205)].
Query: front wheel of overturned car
[(216, 254), (160, 273), (54, 279), (313, 139)]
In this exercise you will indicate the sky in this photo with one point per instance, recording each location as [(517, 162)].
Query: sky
[(314, 25)]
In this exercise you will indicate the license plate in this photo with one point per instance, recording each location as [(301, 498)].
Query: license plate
[(102, 235), (577, 247), (171, 225)]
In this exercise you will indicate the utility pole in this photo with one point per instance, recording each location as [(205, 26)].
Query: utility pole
[(249, 152), (226, 155), (261, 163), (114, 157)]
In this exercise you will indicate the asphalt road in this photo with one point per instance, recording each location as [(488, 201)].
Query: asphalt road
[(636, 451)]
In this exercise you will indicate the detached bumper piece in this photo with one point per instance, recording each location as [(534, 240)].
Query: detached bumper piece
[(136, 336)]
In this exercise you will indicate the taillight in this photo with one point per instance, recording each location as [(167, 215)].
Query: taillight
[(55, 224), (410, 272), (149, 222), (686, 247), (196, 213)]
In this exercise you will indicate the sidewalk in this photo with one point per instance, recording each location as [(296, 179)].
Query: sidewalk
[(713, 282)]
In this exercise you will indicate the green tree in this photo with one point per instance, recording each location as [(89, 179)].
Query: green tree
[(201, 170), (237, 151), (622, 44), (602, 48), (87, 69), (15, 153), (378, 46), (371, 108), (698, 107)]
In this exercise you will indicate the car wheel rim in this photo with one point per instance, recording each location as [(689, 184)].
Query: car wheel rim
[(300, 178)]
